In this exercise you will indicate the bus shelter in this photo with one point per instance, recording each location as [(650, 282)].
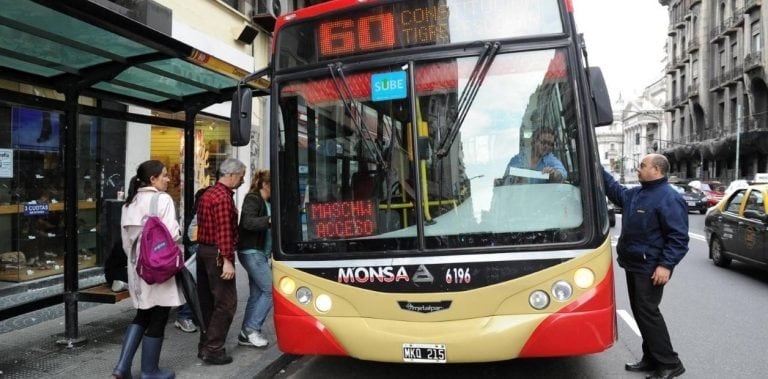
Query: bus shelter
[(81, 49)]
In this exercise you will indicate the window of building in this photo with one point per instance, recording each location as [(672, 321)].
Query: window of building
[(695, 65), (757, 40), (637, 138), (721, 115), (734, 55), (722, 62), (721, 14)]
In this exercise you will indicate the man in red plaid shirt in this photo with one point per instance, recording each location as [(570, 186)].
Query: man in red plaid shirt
[(217, 238)]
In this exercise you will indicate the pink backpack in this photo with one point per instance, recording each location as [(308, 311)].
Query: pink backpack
[(159, 257)]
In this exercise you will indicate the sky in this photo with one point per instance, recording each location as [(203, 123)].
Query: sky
[(626, 39)]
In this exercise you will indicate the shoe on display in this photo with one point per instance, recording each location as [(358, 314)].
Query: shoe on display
[(185, 325), (254, 339), (119, 285)]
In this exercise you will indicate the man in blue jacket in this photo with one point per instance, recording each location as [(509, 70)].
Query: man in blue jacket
[(654, 239)]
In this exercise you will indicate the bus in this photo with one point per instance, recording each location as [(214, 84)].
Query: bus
[(402, 230)]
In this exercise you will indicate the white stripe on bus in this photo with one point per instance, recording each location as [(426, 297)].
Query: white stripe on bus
[(467, 258)]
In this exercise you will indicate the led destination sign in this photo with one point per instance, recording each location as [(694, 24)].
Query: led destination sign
[(342, 219), (384, 28)]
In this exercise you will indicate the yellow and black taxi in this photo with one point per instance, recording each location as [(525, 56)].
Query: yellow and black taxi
[(737, 227)]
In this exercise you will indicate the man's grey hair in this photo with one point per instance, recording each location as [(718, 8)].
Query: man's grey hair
[(231, 166)]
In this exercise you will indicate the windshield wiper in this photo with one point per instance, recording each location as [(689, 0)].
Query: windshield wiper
[(484, 62), (351, 107)]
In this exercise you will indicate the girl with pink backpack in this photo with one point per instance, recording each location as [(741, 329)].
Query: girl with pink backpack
[(153, 302)]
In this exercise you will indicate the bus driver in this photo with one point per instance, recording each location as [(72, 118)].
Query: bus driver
[(540, 159)]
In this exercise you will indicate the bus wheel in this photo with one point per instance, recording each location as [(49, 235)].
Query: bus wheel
[(717, 253)]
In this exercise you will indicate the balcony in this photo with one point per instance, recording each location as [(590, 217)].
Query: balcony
[(738, 17), (734, 75), (730, 26), (671, 68), (716, 33), (753, 61), (681, 100), (693, 45), (750, 4), (680, 60), (756, 123), (693, 91), (714, 82), (671, 31)]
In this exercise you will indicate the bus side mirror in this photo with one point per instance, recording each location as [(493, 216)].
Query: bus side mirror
[(240, 117), (602, 101)]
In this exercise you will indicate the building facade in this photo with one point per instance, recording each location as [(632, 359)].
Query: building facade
[(716, 86), (639, 128), (610, 139)]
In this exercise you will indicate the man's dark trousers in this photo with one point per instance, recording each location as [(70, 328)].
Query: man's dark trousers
[(644, 298), (218, 301)]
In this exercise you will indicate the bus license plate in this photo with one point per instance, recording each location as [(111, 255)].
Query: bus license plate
[(424, 353)]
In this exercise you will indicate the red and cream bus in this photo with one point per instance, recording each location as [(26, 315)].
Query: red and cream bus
[(402, 233)]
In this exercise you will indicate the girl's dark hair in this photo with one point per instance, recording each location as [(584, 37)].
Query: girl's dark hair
[(144, 172), (259, 178)]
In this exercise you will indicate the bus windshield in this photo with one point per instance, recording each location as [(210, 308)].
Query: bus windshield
[(355, 173)]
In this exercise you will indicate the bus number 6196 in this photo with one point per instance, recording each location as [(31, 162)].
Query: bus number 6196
[(457, 275)]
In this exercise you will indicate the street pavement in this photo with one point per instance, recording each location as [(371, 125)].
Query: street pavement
[(32, 352)]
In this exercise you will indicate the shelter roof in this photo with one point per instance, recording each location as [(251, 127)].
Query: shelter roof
[(77, 45)]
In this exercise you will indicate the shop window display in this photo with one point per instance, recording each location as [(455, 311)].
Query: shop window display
[(32, 191)]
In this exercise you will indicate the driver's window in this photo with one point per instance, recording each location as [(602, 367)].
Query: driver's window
[(735, 203)]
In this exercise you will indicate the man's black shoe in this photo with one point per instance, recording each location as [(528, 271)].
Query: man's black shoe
[(643, 365), (667, 372), (218, 359)]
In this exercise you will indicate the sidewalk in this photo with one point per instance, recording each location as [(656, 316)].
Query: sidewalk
[(32, 352)]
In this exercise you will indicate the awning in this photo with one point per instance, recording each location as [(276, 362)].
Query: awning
[(78, 45)]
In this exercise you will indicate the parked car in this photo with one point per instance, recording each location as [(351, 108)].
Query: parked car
[(713, 189), (737, 227), (695, 198)]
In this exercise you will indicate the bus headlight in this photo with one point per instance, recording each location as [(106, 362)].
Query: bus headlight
[(562, 291), (304, 295), (538, 299), (287, 285), (584, 278), (323, 303)]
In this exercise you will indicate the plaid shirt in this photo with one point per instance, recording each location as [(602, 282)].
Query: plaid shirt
[(217, 220)]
